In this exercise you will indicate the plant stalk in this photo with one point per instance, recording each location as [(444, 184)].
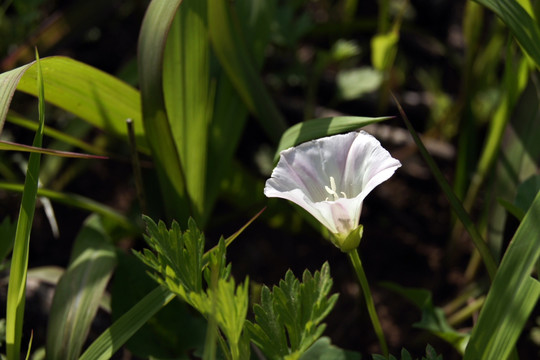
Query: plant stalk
[(359, 269)]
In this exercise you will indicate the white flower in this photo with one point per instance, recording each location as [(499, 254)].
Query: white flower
[(330, 178)]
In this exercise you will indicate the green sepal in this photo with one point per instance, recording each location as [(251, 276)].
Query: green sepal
[(349, 242)]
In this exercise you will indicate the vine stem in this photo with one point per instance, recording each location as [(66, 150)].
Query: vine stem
[(359, 269)]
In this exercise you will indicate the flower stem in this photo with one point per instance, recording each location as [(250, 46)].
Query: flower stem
[(357, 265)]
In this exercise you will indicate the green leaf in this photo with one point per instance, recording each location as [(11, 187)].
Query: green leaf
[(87, 92), (526, 193), (230, 48), (288, 320), (79, 291), (19, 260), (228, 305), (513, 294), (384, 49), (433, 318), (524, 28), (178, 259), (152, 40), (323, 349), (179, 264), (188, 94), (317, 128), (112, 339), (354, 83)]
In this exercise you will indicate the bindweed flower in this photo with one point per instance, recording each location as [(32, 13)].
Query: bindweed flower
[(330, 178)]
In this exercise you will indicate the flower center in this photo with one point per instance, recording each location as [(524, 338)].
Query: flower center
[(332, 190)]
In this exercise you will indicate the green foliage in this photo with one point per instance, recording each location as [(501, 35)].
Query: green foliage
[(322, 349), (160, 337), (97, 97), (524, 27), (433, 318), (317, 128), (288, 320), (179, 265), (79, 291), (431, 354), (513, 295), (19, 260)]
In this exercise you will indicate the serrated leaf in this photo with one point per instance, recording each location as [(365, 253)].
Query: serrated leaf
[(323, 349), (405, 355), (288, 321)]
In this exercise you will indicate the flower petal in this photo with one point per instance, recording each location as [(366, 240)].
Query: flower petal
[(356, 162), (368, 165)]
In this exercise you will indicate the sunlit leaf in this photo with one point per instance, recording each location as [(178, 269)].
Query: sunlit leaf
[(16, 296), (152, 40), (317, 128), (87, 92), (524, 28), (512, 296)]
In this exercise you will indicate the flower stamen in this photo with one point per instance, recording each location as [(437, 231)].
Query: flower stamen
[(332, 190)]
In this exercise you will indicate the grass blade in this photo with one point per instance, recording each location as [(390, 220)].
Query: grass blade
[(188, 94), (524, 28), (48, 131), (457, 206), (114, 337), (513, 294), (152, 40), (11, 146), (79, 291), (19, 260), (230, 47)]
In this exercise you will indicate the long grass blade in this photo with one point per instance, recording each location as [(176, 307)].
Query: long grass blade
[(513, 294), (230, 47), (457, 206), (522, 25), (19, 260), (80, 290), (114, 337), (152, 40), (11, 146), (188, 94), (48, 131)]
